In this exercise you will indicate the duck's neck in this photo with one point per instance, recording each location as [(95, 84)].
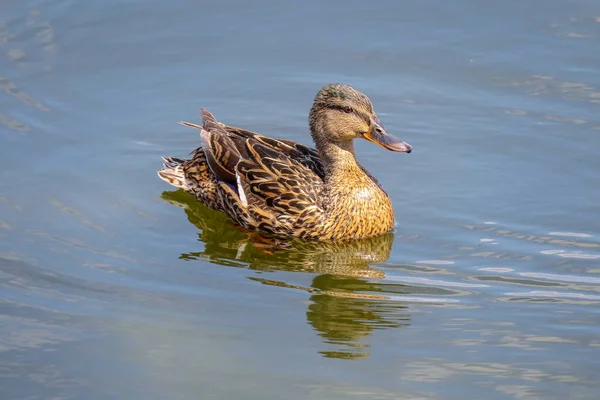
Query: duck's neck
[(339, 161)]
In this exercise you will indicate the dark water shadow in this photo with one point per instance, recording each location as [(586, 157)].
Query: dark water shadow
[(349, 299)]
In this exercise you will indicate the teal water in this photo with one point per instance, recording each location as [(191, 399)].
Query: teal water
[(114, 286)]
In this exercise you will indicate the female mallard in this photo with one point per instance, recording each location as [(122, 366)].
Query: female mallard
[(289, 189)]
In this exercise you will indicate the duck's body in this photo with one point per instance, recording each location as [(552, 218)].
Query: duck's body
[(289, 189)]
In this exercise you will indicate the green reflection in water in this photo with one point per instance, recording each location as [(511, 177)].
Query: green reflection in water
[(342, 315), (346, 303)]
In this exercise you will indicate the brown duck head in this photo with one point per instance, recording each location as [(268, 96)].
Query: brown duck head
[(341, 113)]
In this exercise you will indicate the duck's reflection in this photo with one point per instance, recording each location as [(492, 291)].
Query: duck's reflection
[(342, 315), (346, 306)]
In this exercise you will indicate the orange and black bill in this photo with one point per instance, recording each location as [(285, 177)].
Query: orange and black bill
[(377, 134)]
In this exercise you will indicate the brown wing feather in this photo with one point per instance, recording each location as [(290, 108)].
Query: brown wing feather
[(299, 152), (303, 154), (232, 206), (221, 154), (277, 181)]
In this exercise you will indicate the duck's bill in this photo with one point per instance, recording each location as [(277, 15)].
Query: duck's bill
[(387, 141)]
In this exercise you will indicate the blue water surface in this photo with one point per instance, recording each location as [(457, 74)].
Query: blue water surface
[(115, 286)]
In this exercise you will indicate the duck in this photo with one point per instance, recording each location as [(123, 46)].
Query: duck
[(287, 189)]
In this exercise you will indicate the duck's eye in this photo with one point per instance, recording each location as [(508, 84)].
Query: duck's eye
[(348, 109)]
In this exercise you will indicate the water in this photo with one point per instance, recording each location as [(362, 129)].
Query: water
[(114, 286)]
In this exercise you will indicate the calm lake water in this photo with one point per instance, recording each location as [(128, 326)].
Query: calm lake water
[(113, 286)]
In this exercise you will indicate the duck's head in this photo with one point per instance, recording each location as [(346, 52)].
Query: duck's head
[(341, 113)]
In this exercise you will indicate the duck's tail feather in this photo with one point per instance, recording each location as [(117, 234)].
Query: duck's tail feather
[(172, 162), (173, 173)]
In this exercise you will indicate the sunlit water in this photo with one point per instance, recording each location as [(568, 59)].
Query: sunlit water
[(114, 286)]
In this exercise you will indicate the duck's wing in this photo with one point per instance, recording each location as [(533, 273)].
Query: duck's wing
[(299, 152), (265, 183)]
